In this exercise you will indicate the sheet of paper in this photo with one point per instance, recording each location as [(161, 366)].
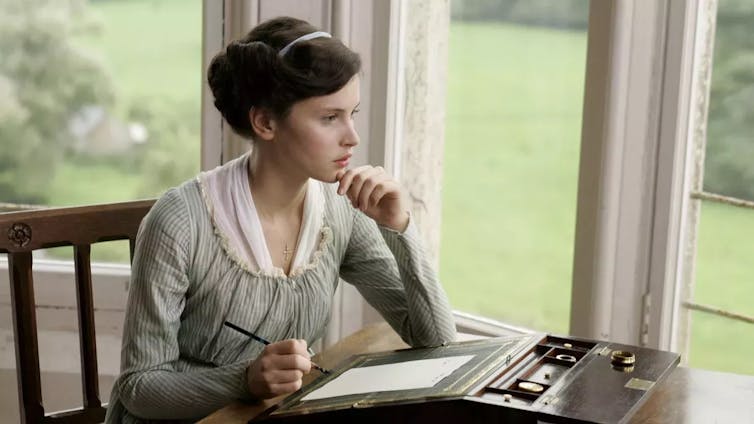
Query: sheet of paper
[(407, 375)]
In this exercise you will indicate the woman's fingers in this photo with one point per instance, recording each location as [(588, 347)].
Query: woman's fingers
[(346, 179), (376, 194), (362, 181), (294, 361), (357, 181), (289, 346), (279, 369), (276, 382), (375, 182), (381, 190), (291, 354), (284, 376), (285, 388), (358, 184)]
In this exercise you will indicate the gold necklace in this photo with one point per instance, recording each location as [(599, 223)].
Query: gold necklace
[(286, 253)]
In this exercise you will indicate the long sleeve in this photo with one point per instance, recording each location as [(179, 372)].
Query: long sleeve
[(150, 386), (391, 271)]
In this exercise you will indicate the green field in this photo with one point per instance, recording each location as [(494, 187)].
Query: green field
[(152, 53), (725, 279), (511, 163), (151, 48), (509, 193)]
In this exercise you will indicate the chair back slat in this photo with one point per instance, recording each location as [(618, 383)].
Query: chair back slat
[(132, 247), (25, 326), (79, 227), (85, 303)]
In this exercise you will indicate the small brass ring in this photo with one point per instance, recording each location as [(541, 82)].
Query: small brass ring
[(567, 358), (622, 357)]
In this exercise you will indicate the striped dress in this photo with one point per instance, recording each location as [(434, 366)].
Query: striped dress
[(179, 362)]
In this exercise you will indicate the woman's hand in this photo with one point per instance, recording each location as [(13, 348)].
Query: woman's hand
[(279, 369), (376, 194)]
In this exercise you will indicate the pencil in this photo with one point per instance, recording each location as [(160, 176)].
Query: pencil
[(266, 342)]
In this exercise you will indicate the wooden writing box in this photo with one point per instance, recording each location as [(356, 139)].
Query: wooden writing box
[(565, 380)]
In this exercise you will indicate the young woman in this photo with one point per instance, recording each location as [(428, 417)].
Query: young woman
[(262, 240)]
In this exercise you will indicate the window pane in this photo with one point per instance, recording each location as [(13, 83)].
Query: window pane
[(515, 90), (724, 276), (724, 280), (94, 111), (100, 100), (730, 133)]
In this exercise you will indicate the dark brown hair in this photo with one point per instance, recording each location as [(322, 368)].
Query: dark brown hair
[(250, 73)]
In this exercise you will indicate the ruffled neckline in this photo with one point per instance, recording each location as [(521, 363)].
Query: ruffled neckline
[(277, 273)]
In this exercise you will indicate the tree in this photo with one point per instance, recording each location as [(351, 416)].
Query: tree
[(44, 80), (730, 136), (174, 147), (570, 14)]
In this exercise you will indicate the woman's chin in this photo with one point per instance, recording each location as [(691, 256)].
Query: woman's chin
[(327, 178)]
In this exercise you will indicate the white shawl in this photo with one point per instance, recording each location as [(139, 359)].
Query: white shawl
[(228, 194)]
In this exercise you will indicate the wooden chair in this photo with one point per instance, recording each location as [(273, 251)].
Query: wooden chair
[(20, 234)]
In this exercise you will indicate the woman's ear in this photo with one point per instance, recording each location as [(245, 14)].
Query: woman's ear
[(263, 123)]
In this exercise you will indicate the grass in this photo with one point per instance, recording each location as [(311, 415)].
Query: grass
[(152, 48), (510, 172), (510, 169), (509, 193), (152, 51), (724, 279), (93, 182)]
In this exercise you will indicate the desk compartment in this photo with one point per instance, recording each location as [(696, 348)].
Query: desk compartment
[(539, 369)]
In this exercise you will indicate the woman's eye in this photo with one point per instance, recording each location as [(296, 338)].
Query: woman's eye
[(355, 111), (330, 118)]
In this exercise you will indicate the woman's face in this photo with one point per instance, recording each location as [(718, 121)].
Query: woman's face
[(318, 136)]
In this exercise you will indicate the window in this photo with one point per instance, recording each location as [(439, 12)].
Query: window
[(174, 35), (716, 301), (95, 108), (510, 168), (97, 99)]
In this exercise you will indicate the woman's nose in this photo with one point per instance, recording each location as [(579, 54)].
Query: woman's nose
[(351, 138)]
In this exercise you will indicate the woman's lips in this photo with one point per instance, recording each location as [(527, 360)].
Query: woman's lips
[(343, 162)]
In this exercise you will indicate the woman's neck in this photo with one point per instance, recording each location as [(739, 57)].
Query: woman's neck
[(276, 194)]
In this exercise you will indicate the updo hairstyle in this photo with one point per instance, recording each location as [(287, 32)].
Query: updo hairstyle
[(251, 73)]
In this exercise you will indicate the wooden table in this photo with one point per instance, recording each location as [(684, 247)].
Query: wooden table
[(687, 396)]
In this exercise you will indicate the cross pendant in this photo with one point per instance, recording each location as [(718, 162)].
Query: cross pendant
[(286, 252)]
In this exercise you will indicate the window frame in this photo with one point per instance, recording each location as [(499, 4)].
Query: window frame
[(643, 76), (634, 172), (643, 241), (111, 277)]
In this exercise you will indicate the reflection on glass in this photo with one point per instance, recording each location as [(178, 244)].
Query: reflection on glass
[(515, 90)]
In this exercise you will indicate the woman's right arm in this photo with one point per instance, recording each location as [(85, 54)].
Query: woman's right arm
[(149, 386)]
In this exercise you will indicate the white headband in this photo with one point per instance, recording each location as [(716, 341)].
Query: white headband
[(310, 36)]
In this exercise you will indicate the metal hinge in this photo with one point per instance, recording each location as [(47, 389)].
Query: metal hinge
[(646, 305)]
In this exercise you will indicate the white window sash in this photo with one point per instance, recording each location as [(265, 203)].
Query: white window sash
[(633, 182)]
